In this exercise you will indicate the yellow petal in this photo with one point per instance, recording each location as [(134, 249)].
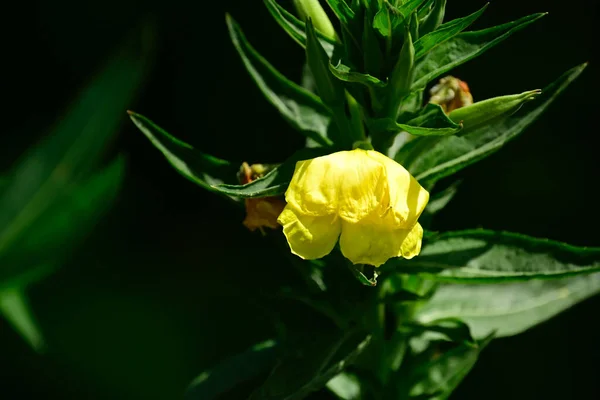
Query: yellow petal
[(407, 198), (348, 183), (369, 242), (309, 237)]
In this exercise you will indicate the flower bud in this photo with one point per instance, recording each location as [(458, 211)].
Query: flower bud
[(451, 93)]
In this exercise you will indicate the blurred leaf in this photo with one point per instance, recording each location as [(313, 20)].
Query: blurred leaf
[(32, 203), (486, 111), (345, 386), (438, 378), (275, 182), (296, 28), (441, 157), (233, 371), (341, 10), (310, 366), (444, 33), (464, 47), (300, 108), (15, 308), (60, 227), (389, 18), (431, 121), (481, 256), (200, 168), (437, 202), (401, 77), (509, 308)]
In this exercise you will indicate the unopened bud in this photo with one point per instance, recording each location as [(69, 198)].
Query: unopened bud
[(451, 93)]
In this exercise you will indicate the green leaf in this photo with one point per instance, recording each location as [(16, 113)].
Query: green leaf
[(341, 10), (509, 308), (434, 19), (345, 386), (55, 232), (437, 379), (15, 308), (300, 108), (448, 155), (464, 47), (194, 165), (480, 256), (296, 28), (439, 200), (389, 18), (343, 73), (401, 77), (233, 371), (444, 32), (44, 184), (484, 112), (431, 121), (275, 182), (310, 366), (330, 89)]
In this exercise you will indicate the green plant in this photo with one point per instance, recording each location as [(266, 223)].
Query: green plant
[(419, 327)]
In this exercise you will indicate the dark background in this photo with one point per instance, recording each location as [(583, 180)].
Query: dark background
[(159, 290)]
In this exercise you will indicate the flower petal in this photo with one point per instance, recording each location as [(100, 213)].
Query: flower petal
[(369, 242), (348, 183), (309, 237), (407, 197)]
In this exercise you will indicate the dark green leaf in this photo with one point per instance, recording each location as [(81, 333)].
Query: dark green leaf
[(196, 166), (389, 18), (233, 371), (509, 308), (300, 108), (341, 10), (311, 366), (453, 330), (275, 182), (438, 378), (480, 256), (441, 199), (451, 154), (484, 112), (431, 121), (464, 47), (444, 32), (296, 28), (434, 19), (401, 77), (50, 194)]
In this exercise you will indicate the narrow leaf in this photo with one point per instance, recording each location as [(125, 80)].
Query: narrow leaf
[(434, 19), (451, 154), (275, 182), (464, 47), (444, 33), (15, 308), (300, 108), (296, 28), (233, 371), (194, 165), (341, 10), (481, 256), (343, 73), (509, 308), (431, 121)]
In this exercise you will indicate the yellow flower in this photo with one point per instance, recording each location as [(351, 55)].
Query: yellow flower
[(367, 200)]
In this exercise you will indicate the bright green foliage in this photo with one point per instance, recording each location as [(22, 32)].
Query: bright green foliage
[(421, 330)]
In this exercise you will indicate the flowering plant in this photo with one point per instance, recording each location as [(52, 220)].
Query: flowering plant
[(369, 181)]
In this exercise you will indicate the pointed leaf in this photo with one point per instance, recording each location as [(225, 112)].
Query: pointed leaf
[(464, 47), (481, 256), (344, 73), (434, 19), (431, 121), (448, 155), (296, 28), (300, 108), (341, 10), (194, 165), (15, 308), (444, 32), (509, 308), (275, 182), (229, 373)]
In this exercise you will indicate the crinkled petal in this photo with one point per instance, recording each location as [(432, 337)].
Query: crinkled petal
[(309, 237), (407, 198), (348, 183), (368, 242)]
